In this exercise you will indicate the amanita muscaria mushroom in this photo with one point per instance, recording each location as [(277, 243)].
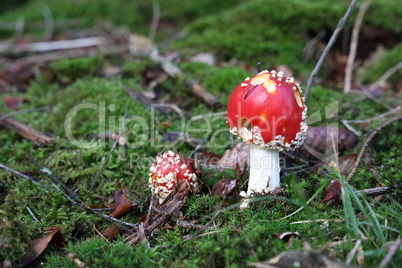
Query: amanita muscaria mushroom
[(167, 169), (268, 112)]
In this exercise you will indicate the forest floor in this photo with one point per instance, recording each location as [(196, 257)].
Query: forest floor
[(91, 93)]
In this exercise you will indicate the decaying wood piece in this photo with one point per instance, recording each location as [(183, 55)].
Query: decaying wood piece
[(204, 95), (171, 69), (25, 131), (138, 96), (303, 259), (55, 45), (159, 214), (379, 190)]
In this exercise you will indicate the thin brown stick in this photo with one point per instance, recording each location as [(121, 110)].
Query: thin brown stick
[(346, 123), (331, 42), (318, 220), (163, 213), (378, 190), (74, 258), (25, 131), (70, 54), (138, 96), (23, 176), (58, 45), (123, 125), (205, 227), (392, 251), (310, 45), (353, 251), (76, 200), (204, 95), (371, 119), (202, 116), (387, 75), (49, 22), (50, 174), (100, 234), (156, 16), (4, 116), (187, 224), (353, 45), (367, 141), (151, 207)]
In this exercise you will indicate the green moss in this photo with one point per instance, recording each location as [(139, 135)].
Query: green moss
[(384, 14), (135, 69), (255, 31), (275, 37), (99, 253), (137, 15), (14, 233), (386, 60), (67, 70), (95, 105)]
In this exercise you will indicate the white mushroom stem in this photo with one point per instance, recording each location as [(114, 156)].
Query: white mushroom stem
[(264, 170)]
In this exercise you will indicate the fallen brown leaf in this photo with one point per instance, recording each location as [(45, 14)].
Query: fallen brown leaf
[(320, 139), (208, 158), (224, 187), (310, 259), (13, 103), (17, 75), (334, 192), (123, 204), (35, 248), (111, 232), (238, 155)]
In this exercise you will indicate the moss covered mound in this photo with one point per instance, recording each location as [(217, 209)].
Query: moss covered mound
[(276, 31)]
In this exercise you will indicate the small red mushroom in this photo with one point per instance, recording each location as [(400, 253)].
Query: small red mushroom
[(268, 112), (167, 169)]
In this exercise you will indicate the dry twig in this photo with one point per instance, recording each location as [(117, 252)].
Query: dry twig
[(204, 95), (155, 20), (392, 251), (23, 176), (331, 42), (49, 22), (367, 141), (55, 45), (78, 201), (352, 253), (378, 190), (74, 258), (387, 75), (123, 125), (25, 131), (353, 45), (162, 213), (310, 45), (346, 123)]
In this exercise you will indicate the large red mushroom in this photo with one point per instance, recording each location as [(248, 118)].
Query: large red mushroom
[(268, 112), (165, 172)]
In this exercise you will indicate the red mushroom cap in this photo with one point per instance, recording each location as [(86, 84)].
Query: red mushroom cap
[(268, 110), (167, 168)]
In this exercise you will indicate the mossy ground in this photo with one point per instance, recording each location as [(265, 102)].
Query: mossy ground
[(233, 30)]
